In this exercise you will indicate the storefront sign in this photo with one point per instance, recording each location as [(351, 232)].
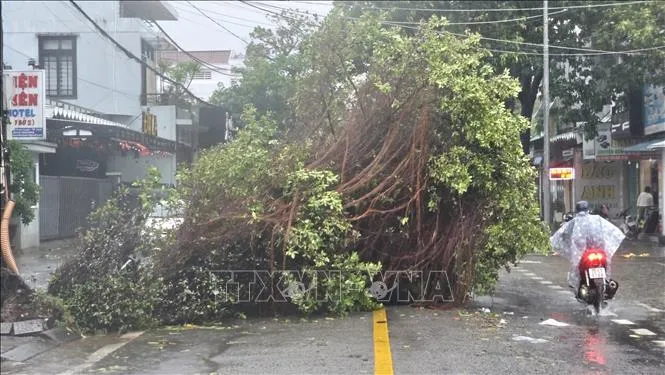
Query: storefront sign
[(609, 148), (568, 154), (598, 182), (604, 140), (558, 174), (589, 148), (149, 124), (25, 92), (654, 110), (87, 165)]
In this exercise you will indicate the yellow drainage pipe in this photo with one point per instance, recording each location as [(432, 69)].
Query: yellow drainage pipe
[(4, 240)]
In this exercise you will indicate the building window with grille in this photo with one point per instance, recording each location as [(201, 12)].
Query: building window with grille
[(203, 74), (57, 56)]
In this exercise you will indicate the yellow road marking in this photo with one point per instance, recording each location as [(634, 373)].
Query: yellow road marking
[(383, 360)]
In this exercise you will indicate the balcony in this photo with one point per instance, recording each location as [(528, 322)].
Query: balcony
[(158, 99), (183, 115), (148, 10)]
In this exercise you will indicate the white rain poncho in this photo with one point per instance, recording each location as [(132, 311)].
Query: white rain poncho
[(582, 232)]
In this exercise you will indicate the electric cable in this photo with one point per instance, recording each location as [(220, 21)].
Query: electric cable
[(597, 5), (203, 63), (217, 23), (132, 56)]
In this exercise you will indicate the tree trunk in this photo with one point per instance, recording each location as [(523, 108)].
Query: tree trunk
[(527, 97)]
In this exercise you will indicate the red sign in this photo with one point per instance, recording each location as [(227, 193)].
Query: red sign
[(25, 94), (557, 174)]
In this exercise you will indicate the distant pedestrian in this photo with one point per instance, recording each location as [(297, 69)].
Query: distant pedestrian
[(604, 212), (644, 201)]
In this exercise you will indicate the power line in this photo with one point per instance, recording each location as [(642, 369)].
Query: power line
[(132, 56), (217, 23), (597, 5), (275, 13), (471, 22), (594, 52), (280, 9), (77, 17), (628, 52), (227, 16), (203, 63), (129, 95)]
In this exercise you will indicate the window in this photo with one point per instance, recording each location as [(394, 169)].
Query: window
[(57, 56), (203, 74)]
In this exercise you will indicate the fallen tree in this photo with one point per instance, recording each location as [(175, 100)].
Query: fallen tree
[(402, 157), (421, 169)]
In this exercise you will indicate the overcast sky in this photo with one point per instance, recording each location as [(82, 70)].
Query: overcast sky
[(194, 31)]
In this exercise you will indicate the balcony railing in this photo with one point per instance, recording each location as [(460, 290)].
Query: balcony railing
[(158, 99)]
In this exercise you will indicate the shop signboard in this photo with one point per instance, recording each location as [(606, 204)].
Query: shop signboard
[(607, 147), (562, 174), (589, 148), (598, 183), (25, 94), (654, 109), (604, 140)]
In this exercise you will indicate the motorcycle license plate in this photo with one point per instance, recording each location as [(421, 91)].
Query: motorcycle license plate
[(597, 273)]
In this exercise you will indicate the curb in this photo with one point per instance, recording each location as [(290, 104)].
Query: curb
[(40, 343)]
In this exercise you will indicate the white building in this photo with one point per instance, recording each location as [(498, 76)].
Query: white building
[(97, 100), (216, 70)]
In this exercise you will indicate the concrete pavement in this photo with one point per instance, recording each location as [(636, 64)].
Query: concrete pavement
[(534, 326)]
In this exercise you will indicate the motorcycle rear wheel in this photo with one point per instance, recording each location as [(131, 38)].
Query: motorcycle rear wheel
[(600, 293)]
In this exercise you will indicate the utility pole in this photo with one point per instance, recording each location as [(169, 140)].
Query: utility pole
[(547, 200), (4, 147)]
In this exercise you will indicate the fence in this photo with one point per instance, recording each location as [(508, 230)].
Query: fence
[(65, 203)]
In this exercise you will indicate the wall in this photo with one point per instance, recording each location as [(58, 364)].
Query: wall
[(29, 234), (166, 121), (108, 81), (204, 88), (133, 168)]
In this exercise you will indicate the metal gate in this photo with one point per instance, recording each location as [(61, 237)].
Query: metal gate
[(66, 202)]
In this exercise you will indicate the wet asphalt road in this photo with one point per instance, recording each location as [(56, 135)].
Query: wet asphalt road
[(509, 340)]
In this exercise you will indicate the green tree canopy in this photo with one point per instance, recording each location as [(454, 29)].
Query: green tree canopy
[(586, 73), (274, 62)]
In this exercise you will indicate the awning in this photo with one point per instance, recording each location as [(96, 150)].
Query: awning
[(647, 146), (657, 145), (58, 113), (56, 127), (569, 136)]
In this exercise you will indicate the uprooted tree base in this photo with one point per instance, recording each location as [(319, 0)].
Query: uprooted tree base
[(20, 302)]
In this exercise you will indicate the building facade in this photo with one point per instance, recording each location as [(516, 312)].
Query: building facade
[(613, 168), (99, 129), (217, 70)]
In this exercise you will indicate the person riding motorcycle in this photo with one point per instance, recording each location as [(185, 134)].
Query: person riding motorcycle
[(582, 232)]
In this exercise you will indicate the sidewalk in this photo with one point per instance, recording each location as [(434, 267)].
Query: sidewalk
[(37, 264)]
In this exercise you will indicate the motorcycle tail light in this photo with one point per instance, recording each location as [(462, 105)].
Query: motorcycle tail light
[(595, 256)]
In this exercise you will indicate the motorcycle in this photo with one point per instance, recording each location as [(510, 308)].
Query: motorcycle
[(589, 242), (594, 287), (629, 227), (649, 224)]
